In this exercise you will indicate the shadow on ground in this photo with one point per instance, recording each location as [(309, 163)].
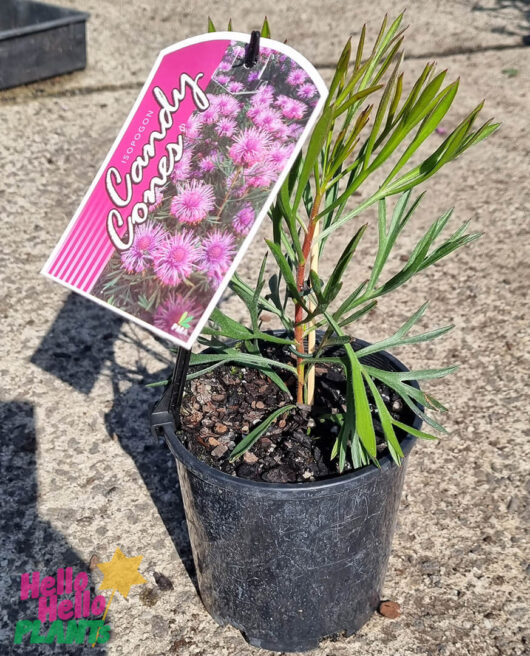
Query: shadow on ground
[(521, 7), (78, 348), (27, 542), (79, 343), (128, 422)]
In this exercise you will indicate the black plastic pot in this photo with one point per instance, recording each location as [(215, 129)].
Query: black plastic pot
[(38, 40), (289, 564)]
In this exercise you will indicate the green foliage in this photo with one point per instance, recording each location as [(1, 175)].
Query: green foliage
[(369, 129)]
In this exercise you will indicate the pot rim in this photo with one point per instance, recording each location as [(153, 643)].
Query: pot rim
[(326, 486)]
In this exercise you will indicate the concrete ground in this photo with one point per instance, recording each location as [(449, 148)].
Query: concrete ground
[(80, 475)]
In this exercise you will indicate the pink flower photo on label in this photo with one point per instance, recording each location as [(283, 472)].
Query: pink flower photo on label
[(217, 253), (296, 77), (226, 127), (210, 163), (147, 239), (169, 315), (263, 97), (307, 91), (159, 197), (250, 147), (238, 51), (277, 156), (227, 105), (175, 258), (267, 118), (192, 127), (291, 108), (234, 87), (244, 220), (182, 168), (211, 115), (193, 202)]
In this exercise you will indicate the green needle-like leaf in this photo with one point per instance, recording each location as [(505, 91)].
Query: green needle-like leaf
[(265, 29), (248, 441)]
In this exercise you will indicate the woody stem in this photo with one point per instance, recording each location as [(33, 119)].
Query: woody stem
[(299, 311)]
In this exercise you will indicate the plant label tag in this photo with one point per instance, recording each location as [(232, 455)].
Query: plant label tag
[(186, 184)]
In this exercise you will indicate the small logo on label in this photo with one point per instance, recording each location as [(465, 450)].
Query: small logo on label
[(183, 324)]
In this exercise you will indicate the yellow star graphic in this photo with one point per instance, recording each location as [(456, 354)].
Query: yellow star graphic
[(121, 573)]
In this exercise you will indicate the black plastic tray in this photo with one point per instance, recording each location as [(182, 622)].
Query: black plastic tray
[(38, 40)]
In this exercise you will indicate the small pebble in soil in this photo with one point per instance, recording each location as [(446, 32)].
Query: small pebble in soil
[(220, 429), (281, 474), (219, 451)]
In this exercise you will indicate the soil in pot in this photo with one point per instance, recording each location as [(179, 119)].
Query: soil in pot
[(221, 407)]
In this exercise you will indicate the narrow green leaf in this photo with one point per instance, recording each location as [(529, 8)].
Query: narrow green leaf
[(317, 141), (363, 416), (386, 421), (205, 370), (359, 95), (425, 374), (360, 48), (238, 358), (428, 126), (344, 260), (265, 29), (275, 378), (248, 441), (357, 315), (340, 71), (286, 272), (414, 431), (230, 328), (394, 342), (211, 26), (352, 301), (316, 286), (380, 114)]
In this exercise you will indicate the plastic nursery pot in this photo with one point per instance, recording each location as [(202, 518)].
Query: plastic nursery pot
[(290, 564), (38, 40)]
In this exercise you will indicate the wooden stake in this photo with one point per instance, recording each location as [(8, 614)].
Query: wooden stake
[(311, 338)]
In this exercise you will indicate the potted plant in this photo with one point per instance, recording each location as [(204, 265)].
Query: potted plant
[(292, 443)]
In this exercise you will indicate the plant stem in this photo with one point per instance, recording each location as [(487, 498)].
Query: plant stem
[(299, 311), (228, 191), (311, 338)]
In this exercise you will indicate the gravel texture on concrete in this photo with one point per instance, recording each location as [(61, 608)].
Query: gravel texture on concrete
[(80, 474)]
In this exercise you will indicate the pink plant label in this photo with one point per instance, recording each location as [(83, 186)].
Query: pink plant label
[(188, 181)]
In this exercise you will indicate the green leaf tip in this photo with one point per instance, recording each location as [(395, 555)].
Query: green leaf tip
[(265, 29)]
